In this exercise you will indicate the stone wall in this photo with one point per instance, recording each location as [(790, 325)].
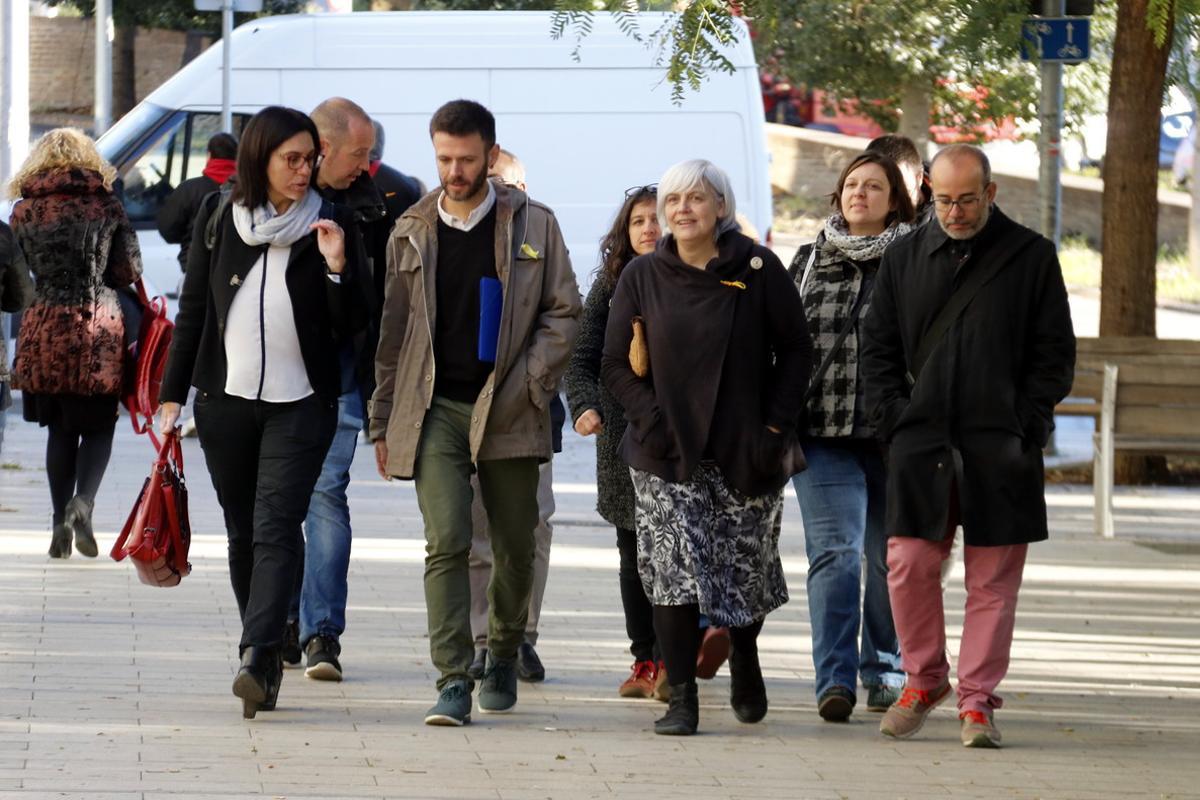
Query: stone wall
[(61, 55), (807, 163)]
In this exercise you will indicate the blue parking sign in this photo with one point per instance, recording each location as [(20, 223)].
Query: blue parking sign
[(1061, 39)]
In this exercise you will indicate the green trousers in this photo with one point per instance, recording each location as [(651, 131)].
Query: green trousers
[(509, 488)]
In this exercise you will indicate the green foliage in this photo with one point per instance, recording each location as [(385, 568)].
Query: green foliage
[(173, 14), (867, 53), (690, 44), (1158, 19)]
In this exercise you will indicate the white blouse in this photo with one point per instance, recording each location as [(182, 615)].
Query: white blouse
[(262, 348)]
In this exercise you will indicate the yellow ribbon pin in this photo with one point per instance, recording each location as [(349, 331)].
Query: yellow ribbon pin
[(734, 284), (529, 252)]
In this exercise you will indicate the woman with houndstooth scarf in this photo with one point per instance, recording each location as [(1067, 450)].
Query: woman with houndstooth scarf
[(842, 493)]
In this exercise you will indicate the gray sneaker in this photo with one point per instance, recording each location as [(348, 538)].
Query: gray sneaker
[(453, 706), (498, 691), (880, 698)]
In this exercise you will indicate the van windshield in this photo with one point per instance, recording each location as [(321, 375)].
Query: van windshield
[(129, 131)]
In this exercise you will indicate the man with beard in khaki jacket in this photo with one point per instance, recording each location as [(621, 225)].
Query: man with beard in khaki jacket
[(480, 311)]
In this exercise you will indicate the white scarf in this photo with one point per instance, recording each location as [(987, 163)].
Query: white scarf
[(264, 226)]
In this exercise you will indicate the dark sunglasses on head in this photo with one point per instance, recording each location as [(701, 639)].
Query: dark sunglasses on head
[(650, 188)]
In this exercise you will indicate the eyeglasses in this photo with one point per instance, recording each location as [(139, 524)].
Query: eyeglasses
[(295, 160), (965, 203), (650, 188)]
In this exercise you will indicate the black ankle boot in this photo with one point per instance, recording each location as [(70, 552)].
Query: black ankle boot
[(747, 692), (258, 679), (683, 712), (79, 517), (60, 541)]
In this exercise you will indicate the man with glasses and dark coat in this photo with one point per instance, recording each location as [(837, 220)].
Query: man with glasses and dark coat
[(964, 399)]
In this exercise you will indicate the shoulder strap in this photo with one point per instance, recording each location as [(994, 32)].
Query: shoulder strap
[(224, 197), (794, 268), (989, 265)]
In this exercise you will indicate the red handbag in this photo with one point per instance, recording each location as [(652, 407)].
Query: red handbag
[(157, 535), (146, 359)]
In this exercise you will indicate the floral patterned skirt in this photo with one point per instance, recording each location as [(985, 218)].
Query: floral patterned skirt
[(704, 542)]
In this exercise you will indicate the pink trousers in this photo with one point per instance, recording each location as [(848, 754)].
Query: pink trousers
[(914, 584)]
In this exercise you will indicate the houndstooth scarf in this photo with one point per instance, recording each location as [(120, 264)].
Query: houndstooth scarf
[(829, 287), (840, 244)]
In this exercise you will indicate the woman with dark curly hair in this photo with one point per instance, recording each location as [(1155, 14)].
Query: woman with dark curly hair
[(70, 352), (634, 232)]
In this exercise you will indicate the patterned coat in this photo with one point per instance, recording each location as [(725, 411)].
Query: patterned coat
[(833, 285), (585, 392), (79, 245)]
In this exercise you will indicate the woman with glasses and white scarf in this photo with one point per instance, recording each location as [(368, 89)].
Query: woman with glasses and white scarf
[(266, 299), (842, 493)]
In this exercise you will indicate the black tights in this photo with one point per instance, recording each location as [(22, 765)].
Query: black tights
[(678, 630), (75, 464)]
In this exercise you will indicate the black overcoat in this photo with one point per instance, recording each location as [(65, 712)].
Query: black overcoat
[(983, 406)]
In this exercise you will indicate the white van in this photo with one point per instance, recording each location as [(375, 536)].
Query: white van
[(586, 130)]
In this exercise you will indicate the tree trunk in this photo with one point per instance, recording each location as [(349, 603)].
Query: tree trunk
[(1194, 191), (124, 70), (1129, 227), (916, 109)]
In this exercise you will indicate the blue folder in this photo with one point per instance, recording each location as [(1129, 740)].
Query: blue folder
[(491, 303)]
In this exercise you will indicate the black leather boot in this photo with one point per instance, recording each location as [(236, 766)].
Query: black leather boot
[(683, 712), (747, 692), (258, 679), (79, 517), (60, 541)]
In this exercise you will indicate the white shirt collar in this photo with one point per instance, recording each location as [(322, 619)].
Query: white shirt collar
[(479, 212)]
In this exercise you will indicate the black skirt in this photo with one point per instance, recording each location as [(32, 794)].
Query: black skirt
[(75, 412)]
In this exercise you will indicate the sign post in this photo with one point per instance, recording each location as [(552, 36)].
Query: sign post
[(227, 7), (102, 105), (1053, 40)]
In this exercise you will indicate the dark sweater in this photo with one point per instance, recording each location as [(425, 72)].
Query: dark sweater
[(729, 355), (464, 257), (585, 392)]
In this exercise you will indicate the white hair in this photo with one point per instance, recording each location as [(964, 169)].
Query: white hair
[(687, 175)]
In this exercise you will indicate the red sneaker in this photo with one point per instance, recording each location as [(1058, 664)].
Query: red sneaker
[(640, 682), (907, 715), (978, 730)]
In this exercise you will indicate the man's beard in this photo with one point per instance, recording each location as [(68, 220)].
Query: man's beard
[(984, 214), (471, 191)]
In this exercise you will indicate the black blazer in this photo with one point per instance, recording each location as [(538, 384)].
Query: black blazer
[(326, 312)]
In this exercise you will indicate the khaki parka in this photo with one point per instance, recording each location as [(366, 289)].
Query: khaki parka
[(538, 324)]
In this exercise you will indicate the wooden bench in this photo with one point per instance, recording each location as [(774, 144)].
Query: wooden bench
[(1144, 394)]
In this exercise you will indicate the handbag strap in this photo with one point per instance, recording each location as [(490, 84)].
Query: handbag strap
[(989, 265)]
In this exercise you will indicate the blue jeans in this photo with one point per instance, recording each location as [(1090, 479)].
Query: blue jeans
[(842, 495), (327, 531)]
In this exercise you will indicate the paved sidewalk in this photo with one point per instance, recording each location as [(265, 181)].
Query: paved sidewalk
[(109, 689)]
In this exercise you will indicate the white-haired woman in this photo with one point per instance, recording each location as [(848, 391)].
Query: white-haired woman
[(710, 440)]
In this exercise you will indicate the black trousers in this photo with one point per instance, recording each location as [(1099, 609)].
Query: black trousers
[(639, 614), (264, 459)]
